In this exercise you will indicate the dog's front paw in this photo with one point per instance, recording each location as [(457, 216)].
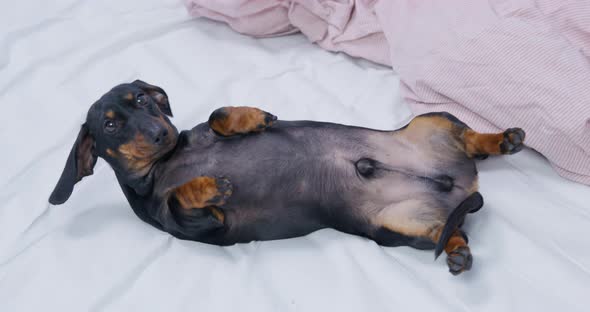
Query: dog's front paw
[(259, 119), (228, 121), (513, 141), (204, 191), (268, 120), (459, 260), (224, 191)]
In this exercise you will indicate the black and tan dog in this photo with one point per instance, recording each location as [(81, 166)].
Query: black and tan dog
[(245, 176)]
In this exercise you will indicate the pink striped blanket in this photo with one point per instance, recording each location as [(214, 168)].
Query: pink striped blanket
[(493, 64)]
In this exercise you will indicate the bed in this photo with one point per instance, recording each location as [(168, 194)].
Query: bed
[(530, 241)]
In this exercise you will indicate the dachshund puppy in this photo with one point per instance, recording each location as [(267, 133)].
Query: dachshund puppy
[(245, 176)]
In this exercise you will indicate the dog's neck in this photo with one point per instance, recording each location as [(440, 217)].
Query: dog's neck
[(142, 185), (137, 192)]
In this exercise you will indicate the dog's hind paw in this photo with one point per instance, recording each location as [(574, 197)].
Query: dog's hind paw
[(513, 141), (459, 260)]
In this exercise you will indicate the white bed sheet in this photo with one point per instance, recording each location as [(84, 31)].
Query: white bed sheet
[(530, 241)]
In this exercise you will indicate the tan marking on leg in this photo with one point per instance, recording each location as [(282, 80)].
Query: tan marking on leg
[(423, 129), (431, 140), (198, 193), (424, 126), (482, 143), (411, 217), (474, 187), (240, 120), (455, 242)]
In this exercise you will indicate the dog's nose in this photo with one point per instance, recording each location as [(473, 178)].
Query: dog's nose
[(161, 136)]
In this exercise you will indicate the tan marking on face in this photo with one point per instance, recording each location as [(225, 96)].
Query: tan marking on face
[(110, 114), (129, 96), (240, 120), (197, 193), (110, 152), (138, 154)]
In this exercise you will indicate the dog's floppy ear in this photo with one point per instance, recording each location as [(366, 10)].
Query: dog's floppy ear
[(157, 94), (80, 163)]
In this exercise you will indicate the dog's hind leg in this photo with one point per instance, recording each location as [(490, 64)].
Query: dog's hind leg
[(459, 258), (453, 240), (474, 144), (483, 144), (415, 222), (418, 223)]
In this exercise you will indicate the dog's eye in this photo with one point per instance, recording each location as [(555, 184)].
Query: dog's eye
[(110, 126), (142, 99)]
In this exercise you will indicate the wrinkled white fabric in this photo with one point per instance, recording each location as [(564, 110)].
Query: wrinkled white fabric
[(494, 63), (529, 241)]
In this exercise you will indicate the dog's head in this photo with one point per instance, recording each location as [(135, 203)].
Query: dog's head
[(128, 127)]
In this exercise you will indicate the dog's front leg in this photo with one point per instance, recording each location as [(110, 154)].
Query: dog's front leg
[(204, 193), (228, 121), (196, 207)]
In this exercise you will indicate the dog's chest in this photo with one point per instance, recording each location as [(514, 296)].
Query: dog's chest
[(287, 161)]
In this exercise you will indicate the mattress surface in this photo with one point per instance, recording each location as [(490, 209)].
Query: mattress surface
[(529, 242)]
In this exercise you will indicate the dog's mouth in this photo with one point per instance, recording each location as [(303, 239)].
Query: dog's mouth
[(161, 147), (161, 150), (165, 148), (140, 156)]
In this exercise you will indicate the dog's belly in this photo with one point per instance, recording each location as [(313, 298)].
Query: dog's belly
[(297, 177)]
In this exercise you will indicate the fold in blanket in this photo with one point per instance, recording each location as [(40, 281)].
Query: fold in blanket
[(494, 64)]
